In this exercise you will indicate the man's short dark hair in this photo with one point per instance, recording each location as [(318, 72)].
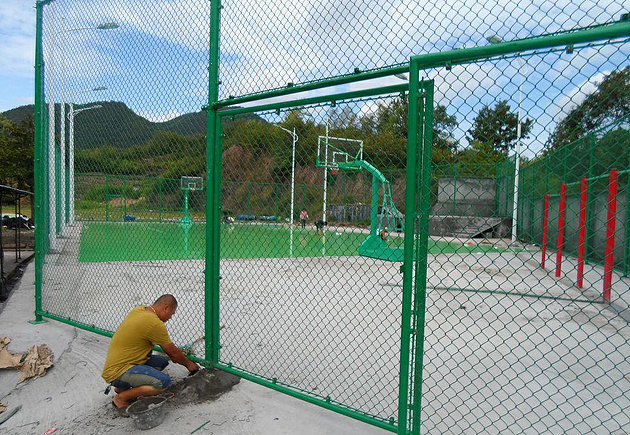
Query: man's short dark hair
[(168, 300)]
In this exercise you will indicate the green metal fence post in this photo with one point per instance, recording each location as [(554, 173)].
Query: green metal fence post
[(40, 190), (211, 280), (420, 282), (407, 268)]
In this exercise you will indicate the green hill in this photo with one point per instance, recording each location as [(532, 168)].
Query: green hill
[(18, 114), (117, 125)]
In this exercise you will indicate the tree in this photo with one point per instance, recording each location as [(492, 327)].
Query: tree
[(478, 155), (609, 102), (497, 126), (16, 153), (342, 119), (385, 131)]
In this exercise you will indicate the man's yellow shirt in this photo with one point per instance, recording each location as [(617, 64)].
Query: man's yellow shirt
[(133, 341)]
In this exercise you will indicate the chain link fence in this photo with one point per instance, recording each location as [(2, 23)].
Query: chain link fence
[(411, 214)]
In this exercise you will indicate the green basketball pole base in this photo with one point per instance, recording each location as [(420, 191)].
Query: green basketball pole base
[(186, 221), (375, 247)]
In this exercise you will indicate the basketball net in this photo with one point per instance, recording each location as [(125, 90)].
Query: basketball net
[(334, 171)]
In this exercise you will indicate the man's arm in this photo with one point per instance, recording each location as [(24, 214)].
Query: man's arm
[(177, 356)]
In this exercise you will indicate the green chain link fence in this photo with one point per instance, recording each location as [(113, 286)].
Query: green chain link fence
[(376, 207)]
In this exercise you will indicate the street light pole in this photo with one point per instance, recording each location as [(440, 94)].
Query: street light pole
[(51, 148), (494, 39), (295, 139), (70, 171), (517, 156), (63, 218), (64, 192)]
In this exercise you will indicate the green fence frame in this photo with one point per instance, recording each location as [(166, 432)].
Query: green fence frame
[(418, 160), (421, 101)]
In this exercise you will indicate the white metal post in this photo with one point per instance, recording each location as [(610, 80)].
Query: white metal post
[(52, 223), (293, 176), (517, 154), (71, 165), (61, 204), (71, 116)]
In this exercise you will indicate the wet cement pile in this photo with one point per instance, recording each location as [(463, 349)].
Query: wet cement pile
[(203, 385)]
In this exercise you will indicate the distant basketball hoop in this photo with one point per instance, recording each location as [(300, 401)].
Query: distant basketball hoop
[(334, 171)]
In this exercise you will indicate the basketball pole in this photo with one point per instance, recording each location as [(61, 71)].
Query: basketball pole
[(186, 218), (325, 176)]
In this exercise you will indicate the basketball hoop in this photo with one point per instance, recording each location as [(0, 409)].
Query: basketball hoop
[(334, 171)]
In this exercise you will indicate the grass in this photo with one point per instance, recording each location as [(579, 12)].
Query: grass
[(147, 241)]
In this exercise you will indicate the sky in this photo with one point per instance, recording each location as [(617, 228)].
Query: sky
[(17, 51), (156, 60)]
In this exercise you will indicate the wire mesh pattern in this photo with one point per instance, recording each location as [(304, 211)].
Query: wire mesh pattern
[(267, 45), (124, 126), (306, 318), (458, 264)]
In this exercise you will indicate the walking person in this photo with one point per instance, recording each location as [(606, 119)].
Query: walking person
[(303, 217)]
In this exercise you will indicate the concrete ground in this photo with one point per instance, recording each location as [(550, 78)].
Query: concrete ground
[(508, 348), (70, 396)]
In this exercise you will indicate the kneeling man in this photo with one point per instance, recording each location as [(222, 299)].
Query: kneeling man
[(130, 367)]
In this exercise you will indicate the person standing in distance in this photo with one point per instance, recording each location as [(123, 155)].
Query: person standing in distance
[(303, 217)]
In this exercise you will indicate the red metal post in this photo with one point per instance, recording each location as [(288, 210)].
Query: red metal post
[(610, 233), (545, 225), (563, 209), (582, 233)]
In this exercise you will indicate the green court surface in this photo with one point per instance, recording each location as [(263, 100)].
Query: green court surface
[(139, 241)]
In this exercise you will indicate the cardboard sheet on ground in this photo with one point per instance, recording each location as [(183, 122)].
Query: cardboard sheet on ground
[(7, 359), (33, 364), (37, 360)]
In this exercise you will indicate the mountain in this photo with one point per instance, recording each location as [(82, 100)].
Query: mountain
[(189, 123), (117, 125), (18, 114)]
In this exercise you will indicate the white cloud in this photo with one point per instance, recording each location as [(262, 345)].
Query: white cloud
[(160, 117), (17, 30), (368, 108), (579, 93)]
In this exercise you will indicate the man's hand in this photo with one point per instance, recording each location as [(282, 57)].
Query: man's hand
[(177, 356), (192, 368)]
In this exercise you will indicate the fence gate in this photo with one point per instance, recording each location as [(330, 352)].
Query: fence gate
[(299, 310)]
